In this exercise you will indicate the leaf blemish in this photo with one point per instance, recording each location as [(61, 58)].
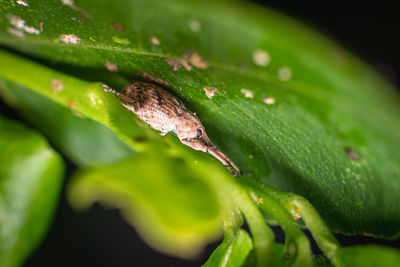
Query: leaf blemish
[(72, 5), (76, 19), (70, 38), (23, 3), (261, 58), (155, 41), (176, 64), (269, 100), (295, 214), (117, 26), (247, 93), (210, 91), (71, 104), (195, 25), (195, 59), (351, 154), (284, 74), (56, 85), (19, 23), (111, 66), (15, 32)]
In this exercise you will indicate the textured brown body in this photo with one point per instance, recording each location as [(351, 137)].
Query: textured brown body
[(153, 104), (164, 112)]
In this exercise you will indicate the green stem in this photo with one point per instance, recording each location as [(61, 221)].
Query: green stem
[(262, 235), (297, 243), (320, 231)]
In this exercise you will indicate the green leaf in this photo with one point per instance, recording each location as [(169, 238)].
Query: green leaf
[(81, 139), (233, 251), (331, 136), (369, 256), (30, 182), (169, 204)]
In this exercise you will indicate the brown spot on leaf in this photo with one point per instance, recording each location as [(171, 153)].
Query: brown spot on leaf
[(210, 91), (155, 41), (71, 104), (111, 66), (140, 139), (176, 64), (117, 26), (56, 85), (351, 154), (195, 59)]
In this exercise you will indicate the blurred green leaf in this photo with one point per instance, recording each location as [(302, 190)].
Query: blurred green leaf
[(233, 251), (172, 208), (331, 136), (30, 181), (369, 256), (81, 139)]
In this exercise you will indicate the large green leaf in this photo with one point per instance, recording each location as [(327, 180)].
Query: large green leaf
[(331, 136), (138, 184), (30, 181)]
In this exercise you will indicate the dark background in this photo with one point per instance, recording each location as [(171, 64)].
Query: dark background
[(101, 238)]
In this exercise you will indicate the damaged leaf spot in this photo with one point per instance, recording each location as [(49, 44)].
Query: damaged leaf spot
[(351, 154), (284, 74), (19, 23), (23, 3), (56, 85), (31, 30), (247, 93), (269, 100), (261, 57), (15, 32), (296, 215), (259, 201), (72, 5), (195, 25), (195, 59), (71, 105), (111, 66), (117, 26), (210, 91), (70, 38), (155, 41), (176, 64)]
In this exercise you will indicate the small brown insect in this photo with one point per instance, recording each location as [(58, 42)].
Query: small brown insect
[(164, 112)]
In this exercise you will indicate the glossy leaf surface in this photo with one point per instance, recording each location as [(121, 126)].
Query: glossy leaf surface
[(30, 181)]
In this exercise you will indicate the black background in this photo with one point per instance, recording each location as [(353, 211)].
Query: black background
[(101, 238)]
